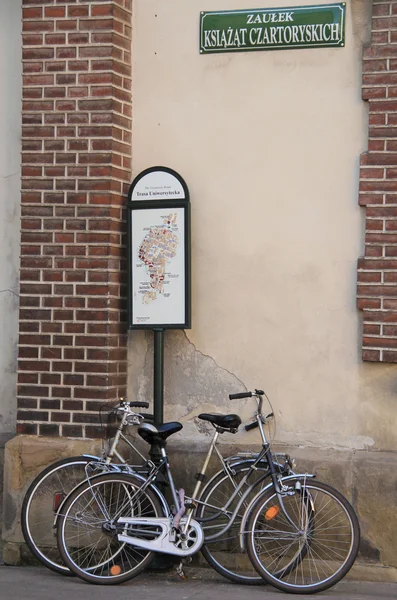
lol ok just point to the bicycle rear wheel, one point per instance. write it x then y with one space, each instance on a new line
311 545
224 554
42 497
87 529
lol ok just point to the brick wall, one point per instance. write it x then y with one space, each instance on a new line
377 271
76 155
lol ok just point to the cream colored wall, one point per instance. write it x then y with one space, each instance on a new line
269 144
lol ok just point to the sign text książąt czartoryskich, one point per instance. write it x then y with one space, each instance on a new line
273 28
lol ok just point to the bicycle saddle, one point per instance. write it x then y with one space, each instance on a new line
224 421
157 435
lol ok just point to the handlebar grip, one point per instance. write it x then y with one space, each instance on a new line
251 426
241 395
139 404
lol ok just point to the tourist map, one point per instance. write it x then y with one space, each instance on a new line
158 266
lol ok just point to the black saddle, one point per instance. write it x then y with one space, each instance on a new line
157 435
228 422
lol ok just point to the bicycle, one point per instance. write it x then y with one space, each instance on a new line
51 486
49 489
110 525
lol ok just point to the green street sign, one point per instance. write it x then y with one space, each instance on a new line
273 28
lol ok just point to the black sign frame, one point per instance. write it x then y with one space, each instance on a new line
181 201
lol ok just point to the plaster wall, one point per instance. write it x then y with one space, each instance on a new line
10 126
269 144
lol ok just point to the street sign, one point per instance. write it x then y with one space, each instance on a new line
159 251
273 28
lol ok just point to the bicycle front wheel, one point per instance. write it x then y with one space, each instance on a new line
40 504
306 543
87 529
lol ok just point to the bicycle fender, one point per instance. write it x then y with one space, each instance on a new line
160 496
270 485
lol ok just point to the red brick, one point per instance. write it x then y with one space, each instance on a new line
96 24
67 52
37 26
32 40
78 11
95 52
55 39
32 67
78 38
37 54
66 25
389 356
379 342
54 92
27 429
78 65
32 13
72 431
54 12
371 355
102 10
380 317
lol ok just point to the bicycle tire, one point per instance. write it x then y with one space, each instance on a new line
37 514
224 555
87 537
324 533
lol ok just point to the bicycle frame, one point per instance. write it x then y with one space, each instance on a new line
167 525
119 435
176 529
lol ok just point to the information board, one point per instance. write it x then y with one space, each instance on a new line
159 251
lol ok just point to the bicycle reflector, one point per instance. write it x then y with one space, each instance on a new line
115 570
272 512
59 497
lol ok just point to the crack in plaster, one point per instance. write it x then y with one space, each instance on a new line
10 291
214 361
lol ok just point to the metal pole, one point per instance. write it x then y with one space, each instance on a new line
158 383
161 562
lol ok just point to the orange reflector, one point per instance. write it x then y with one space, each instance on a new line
272 512
59 497
115 570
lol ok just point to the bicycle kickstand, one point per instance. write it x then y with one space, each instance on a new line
180 571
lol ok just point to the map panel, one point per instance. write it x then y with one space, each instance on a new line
158 266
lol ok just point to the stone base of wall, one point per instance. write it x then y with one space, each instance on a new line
367 479
25 456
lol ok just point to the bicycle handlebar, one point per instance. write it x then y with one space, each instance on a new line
135 404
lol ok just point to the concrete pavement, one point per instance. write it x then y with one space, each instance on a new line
36 583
